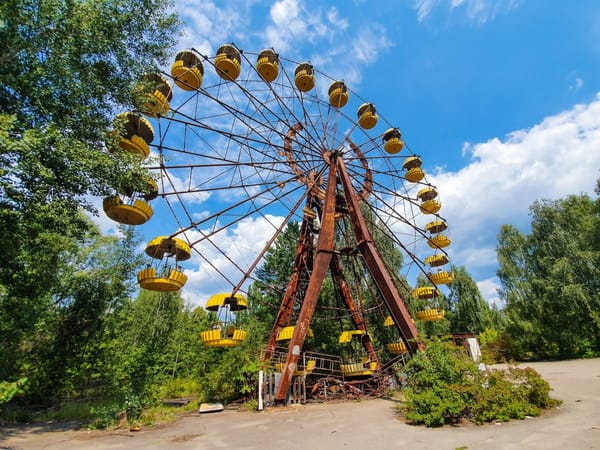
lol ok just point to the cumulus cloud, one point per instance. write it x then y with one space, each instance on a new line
503 177
207 26
215 271
298 29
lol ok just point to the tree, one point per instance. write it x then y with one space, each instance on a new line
550 279
470 311
67 67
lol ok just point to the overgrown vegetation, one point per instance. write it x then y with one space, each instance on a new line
78 342
445 386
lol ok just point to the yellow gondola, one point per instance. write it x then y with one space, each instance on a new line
412 166
304 77
338 94
414 175
228 62
356 369
439 241
437 226
216 338
153 94
360 369
346 336
137 213
286 333
442 277
235 302
430 207
187 70
397 348
436 260
428 193
171 281
392 141
267 65
425 292
431 315
135 132
225 334
170 278
367 116
162 246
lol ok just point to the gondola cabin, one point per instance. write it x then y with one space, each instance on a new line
118 209
228 62
439 241
338 94
431 315
367 116
425 292
442 277
437 226
187 70
224 333
267 65
136 133
304 77
153 94
357 365
168 278
399 346
392 141
412 166
437 260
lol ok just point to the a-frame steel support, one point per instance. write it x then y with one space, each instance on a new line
323 260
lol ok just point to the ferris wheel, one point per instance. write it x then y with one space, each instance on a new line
253 141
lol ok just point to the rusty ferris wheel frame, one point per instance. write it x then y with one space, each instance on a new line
255 144
326 258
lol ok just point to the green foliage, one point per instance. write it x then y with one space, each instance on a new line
495 346
469 310
9 389
231 376
444 386
550 280
105 416
66 68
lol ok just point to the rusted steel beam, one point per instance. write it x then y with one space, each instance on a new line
357 320
302 261
384 282
322 259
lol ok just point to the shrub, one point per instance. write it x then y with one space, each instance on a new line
445 386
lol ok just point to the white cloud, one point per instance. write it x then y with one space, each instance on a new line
479 11
424 8
551 160
240 243
489 290
284 12
334 18
207 26
371 41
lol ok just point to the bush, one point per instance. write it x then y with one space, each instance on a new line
445 386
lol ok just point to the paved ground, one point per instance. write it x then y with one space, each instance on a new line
369 424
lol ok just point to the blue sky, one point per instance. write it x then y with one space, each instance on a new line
501 99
